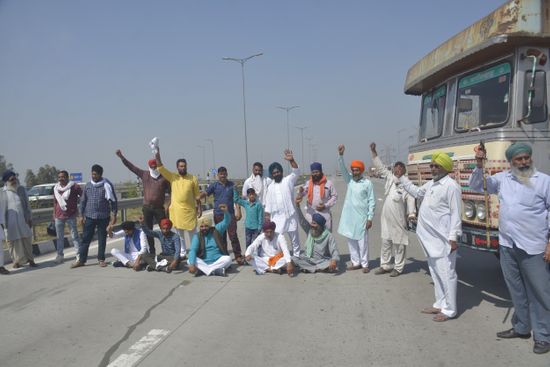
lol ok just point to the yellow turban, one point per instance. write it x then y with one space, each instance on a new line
205 221
443 160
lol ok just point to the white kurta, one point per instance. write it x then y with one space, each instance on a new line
279 203
14 219
397 206
259 184
439 218
263 249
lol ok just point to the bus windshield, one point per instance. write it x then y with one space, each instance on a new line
484 98
433 111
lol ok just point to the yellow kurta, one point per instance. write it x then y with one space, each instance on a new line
183 205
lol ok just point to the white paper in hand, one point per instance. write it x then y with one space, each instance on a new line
154 145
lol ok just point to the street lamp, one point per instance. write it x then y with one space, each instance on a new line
287 109
302 128
242 62
309 148
213 153
203 160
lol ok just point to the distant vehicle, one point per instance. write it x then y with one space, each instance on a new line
41 196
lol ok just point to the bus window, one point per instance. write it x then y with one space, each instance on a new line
433 111
484 98
539 109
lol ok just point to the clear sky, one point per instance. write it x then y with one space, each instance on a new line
81 78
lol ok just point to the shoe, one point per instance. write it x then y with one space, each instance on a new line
394 273
150 268
16 265
353 267
76 264
102 263
32 264
59 259
219 272
366 270
511 333
168 269
118 264
4 271
239 260
541 347
381 271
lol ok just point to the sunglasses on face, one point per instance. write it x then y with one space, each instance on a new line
435 166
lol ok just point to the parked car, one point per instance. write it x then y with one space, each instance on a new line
41 196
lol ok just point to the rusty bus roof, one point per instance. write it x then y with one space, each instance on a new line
514 23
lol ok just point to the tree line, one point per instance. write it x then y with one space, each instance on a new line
45 174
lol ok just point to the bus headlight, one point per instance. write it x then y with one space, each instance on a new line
469 209
481 210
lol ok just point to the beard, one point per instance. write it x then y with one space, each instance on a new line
523 174
182 172
438 176
316 232
12 186
278 179
316 178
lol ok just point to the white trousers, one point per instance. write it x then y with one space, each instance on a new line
445 280
123 257
181 233
295 242
207 269
359 251
389 249
261 264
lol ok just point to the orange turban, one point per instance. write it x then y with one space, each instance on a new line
358 164
165 223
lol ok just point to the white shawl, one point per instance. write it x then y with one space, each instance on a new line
62 194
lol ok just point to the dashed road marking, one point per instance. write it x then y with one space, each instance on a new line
140 349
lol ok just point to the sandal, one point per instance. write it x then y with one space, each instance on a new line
441 317
102 263
431 310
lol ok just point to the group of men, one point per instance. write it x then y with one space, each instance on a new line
273 210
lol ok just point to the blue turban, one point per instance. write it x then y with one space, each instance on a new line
273 166
517 148
316 166
6 176
319 219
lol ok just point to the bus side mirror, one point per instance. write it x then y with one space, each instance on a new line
464 105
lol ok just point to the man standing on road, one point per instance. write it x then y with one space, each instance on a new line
439 226
258 182
155 187
321 252
223 190
269 252
99 206
18 221
397 206
3 204
357 213
320 193
207 253
279 201
65 210
524 197
185 203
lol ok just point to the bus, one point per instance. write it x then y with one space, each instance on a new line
486 84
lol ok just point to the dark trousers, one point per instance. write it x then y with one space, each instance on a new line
251 235
90 226
232 232
150 214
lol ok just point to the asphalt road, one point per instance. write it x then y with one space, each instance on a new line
92 316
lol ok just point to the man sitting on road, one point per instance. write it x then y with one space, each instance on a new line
269 252
170 245
320 253
208 255
135 246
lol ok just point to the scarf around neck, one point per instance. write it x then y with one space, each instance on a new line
109 194
310 241
322 183
62 194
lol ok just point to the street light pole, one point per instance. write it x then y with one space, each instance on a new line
203 160
213 153
242 62
287 109
309 148
302 128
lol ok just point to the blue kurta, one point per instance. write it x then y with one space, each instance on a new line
211 250
358 206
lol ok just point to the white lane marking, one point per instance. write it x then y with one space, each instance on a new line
485 292
140 349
